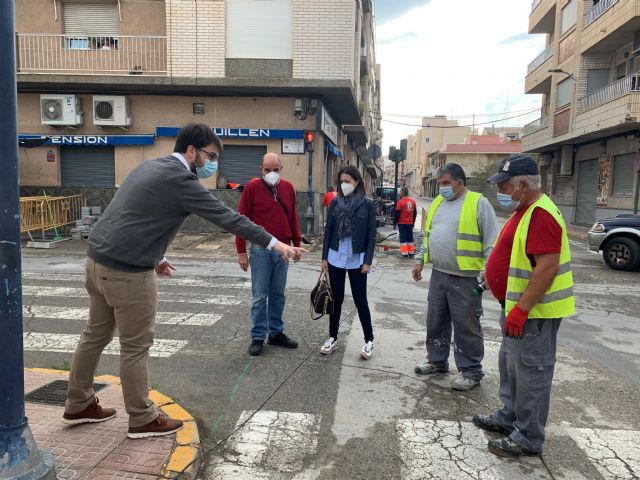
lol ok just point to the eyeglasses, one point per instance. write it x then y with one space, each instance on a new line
212 156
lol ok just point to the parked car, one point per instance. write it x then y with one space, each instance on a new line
619 240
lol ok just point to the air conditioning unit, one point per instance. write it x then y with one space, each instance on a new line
566 160
60 110
111 110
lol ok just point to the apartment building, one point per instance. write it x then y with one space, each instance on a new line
110 82
588 132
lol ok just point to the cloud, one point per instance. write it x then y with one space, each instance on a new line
437 58
386 10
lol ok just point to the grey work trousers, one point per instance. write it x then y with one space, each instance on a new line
452 305
526 372
126 301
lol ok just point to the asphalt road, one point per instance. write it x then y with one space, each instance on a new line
294 414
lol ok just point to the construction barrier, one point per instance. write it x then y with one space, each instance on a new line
48 213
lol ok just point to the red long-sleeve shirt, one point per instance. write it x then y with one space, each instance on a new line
259 204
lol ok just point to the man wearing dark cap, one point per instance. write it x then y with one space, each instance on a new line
529 272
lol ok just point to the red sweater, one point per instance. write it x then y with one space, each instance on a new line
259 204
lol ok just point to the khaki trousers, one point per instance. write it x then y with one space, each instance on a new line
126 301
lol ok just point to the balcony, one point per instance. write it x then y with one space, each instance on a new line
540 59
538 124
542 17
597 11
91 55
619 88
538 79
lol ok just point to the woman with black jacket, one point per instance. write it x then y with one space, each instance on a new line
349 242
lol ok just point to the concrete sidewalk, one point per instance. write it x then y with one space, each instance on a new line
102 450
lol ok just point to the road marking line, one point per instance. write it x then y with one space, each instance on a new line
65 343
614 453
271 444
446 450
162 318
42 291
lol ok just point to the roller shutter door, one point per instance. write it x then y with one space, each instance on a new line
623 175
587 192
91 19
88 166
239 164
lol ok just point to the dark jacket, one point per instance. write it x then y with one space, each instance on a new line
363 230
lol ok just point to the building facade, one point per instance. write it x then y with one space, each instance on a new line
111 82
588 132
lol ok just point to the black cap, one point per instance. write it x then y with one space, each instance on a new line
514 165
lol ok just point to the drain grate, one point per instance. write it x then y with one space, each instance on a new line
55 393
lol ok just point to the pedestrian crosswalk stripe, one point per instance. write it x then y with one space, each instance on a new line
65 343
614 453
270 445
173 281
66 292
446 450
162 318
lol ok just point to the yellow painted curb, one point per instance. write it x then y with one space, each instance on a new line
181 457
159 399
109 379
188 434
176 412
48 370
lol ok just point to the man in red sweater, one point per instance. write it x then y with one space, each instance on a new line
270 202
326 202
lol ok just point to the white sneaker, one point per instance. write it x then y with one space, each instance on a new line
329 346
367 350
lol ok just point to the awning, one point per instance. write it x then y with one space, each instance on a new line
335 151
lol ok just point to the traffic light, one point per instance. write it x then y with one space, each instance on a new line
308 141
392 153
403 150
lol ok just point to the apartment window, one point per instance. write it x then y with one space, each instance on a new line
596 79
91 26
623 175
428 125
260 29
569 16
621 71
426 140
564 93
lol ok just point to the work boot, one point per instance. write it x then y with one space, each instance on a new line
161 425
426 368
487 423
505 447
464 384
94 413
256 347
281 340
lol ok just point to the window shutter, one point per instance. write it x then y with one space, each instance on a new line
260 29
623 174
91 19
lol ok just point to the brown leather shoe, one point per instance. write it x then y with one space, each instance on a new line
162 425
94 413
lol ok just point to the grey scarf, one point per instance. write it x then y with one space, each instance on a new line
346 213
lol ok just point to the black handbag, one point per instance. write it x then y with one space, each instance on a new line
321 297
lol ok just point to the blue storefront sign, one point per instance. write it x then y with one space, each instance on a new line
335 151
93 140
258 133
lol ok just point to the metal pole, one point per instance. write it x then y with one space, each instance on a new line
310 213
19 455
395 187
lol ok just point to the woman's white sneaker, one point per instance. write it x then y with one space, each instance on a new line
367 350
329 346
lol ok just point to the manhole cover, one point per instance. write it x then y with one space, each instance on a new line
55 393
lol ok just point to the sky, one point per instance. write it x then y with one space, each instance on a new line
454 58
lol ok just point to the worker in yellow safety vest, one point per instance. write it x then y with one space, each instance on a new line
459 233
529 272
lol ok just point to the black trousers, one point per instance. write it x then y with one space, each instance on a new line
358 281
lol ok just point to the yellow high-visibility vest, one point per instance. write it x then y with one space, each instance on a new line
558 301
470 254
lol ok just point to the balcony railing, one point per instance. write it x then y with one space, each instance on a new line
540 59
624 86
537 124
597 10
91 55
534 4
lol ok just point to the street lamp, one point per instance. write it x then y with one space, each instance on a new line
559 70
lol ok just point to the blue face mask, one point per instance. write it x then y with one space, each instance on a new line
447 192
507 202
207 170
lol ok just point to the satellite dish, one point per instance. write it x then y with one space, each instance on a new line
375 152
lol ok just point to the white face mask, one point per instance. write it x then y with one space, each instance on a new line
347 188
272 178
